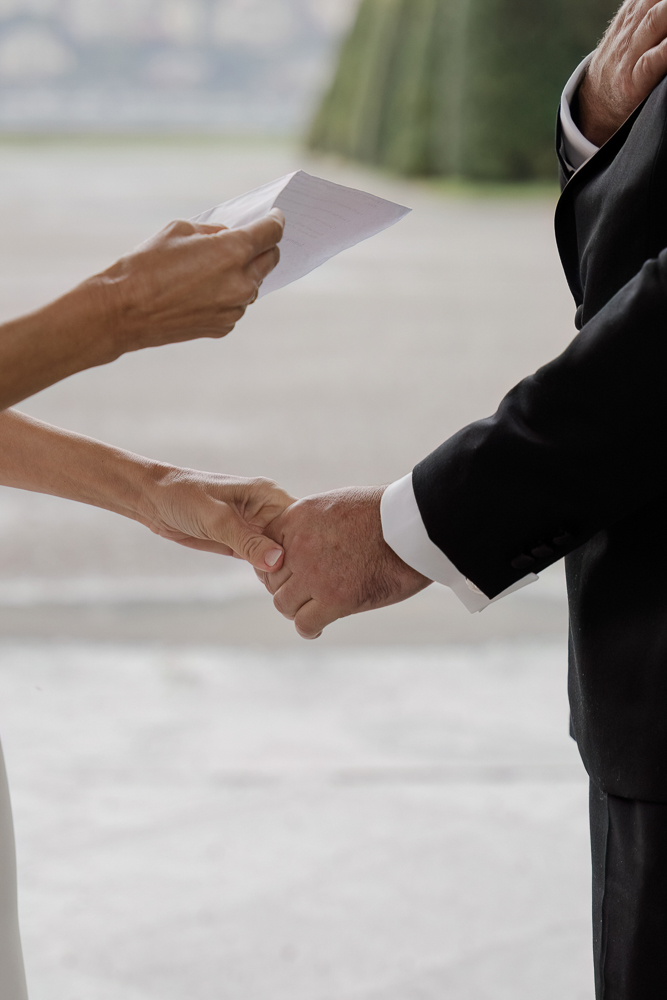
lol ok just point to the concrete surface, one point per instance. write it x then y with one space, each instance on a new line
206 806
374 825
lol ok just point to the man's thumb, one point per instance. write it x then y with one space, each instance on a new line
249 544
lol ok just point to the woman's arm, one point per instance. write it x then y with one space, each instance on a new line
189 281
202 510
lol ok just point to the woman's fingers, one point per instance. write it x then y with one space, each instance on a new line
216 513
262 235
264 239
206 230
261 501
188 281
204 545
211 525
261 266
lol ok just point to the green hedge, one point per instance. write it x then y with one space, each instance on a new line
456 87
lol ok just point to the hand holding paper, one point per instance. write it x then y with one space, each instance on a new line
321 220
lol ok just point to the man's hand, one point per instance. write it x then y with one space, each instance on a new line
188 281
337 562
214 513
629 62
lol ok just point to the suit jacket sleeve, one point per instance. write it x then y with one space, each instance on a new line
573 448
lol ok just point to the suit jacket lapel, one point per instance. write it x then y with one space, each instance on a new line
565 221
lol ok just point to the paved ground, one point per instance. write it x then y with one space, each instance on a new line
205 806
369 825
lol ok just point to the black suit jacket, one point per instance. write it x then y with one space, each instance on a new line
574 463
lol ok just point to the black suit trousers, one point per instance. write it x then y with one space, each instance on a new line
629 849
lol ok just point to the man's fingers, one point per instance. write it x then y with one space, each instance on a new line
291 596
651 67
264 234
644 31
652 27
629 17
277 579
312 618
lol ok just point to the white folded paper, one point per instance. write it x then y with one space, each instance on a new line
321 219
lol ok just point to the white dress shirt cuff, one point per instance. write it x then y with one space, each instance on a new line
405 533
577 148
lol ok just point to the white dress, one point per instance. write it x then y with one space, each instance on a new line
12 974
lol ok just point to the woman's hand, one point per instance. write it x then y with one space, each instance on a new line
188 281
215 513
203 510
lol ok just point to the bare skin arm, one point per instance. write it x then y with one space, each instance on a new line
628 64
201 510
189 281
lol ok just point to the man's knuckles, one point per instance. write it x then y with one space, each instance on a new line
653 21
287 604
274 581
289 615
312 619
308 635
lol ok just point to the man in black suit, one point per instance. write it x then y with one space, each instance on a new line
573 464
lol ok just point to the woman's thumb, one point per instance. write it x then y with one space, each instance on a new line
250 544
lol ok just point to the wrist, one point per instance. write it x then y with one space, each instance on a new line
116 288
86 319
149 481
120 481
103 295
393 561
109 299
596 118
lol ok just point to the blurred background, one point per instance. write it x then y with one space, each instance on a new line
239 65
205 805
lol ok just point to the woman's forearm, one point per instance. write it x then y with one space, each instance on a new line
43 459
67 336
209 511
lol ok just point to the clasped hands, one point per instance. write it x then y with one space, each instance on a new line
336 562
322 558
